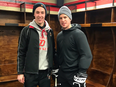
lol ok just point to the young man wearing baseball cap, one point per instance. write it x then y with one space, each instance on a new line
36 50
74 54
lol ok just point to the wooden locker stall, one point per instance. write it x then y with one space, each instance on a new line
99 27
11 24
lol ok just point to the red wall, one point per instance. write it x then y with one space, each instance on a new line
80 6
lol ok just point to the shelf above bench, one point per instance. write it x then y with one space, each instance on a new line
82 25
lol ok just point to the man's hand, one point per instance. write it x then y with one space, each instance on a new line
21 78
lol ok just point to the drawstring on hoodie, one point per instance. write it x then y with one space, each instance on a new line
43 31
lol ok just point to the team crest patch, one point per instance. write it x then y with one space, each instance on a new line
50 34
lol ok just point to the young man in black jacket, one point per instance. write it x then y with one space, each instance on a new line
36 50
74 54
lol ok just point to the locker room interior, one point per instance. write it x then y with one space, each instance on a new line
97 19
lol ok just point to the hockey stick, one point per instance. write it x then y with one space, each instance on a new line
55 79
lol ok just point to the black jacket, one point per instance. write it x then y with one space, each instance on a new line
73 50
28 50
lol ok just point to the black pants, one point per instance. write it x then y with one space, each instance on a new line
65 79
41 79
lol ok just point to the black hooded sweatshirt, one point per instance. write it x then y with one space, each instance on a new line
73 50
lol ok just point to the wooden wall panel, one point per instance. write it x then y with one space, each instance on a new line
8 60
29 17
114 72
8 69
98 77
1 56
103 50
98 16
10 17
102 47
78 17
54 24
9 44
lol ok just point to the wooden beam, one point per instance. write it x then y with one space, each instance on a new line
2 24
22 24
85 25
109 24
